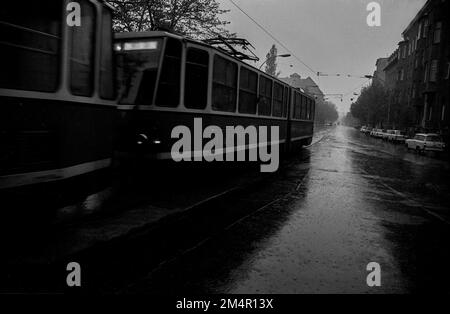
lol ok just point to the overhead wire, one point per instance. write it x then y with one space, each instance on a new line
289 50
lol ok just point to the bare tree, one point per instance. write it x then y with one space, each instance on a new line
194 18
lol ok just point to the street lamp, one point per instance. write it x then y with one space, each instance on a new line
286 55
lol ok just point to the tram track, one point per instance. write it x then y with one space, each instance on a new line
148 247
320 140
419 204
237 221
223 211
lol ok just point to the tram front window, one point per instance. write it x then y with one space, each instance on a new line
137 70
30 39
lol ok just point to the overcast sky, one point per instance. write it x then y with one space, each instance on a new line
331 36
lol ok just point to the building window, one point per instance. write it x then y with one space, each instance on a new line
419 33
265 96
433 70
278 100
437 33
447 76
248 91
443 113
224 85
196 79
30 45
402 74
168 94
425 29
107 79
82 52
430 113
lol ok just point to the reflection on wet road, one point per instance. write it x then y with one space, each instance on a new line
357 200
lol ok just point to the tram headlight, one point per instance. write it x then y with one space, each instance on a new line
141 139
118 47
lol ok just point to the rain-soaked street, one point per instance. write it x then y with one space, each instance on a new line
223 154
352 200
312 227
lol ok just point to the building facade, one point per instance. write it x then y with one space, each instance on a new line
308 85
379 75
417 73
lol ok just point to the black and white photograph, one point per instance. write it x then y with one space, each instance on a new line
219 155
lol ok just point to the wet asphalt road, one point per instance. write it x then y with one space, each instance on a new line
312 227
348 201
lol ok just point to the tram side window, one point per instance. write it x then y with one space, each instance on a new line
265 96
248 91
196 80
305 109
278 100
297 106
308 115
82 52
168 94
224 85
313 110
286 99
107 80
304 105
30 45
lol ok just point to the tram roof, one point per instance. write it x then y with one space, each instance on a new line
153 34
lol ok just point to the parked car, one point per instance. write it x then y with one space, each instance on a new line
373 131
377 133
365 129
426 142
385 134
381 133
396 136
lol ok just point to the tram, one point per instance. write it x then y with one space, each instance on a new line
57 92
166 80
